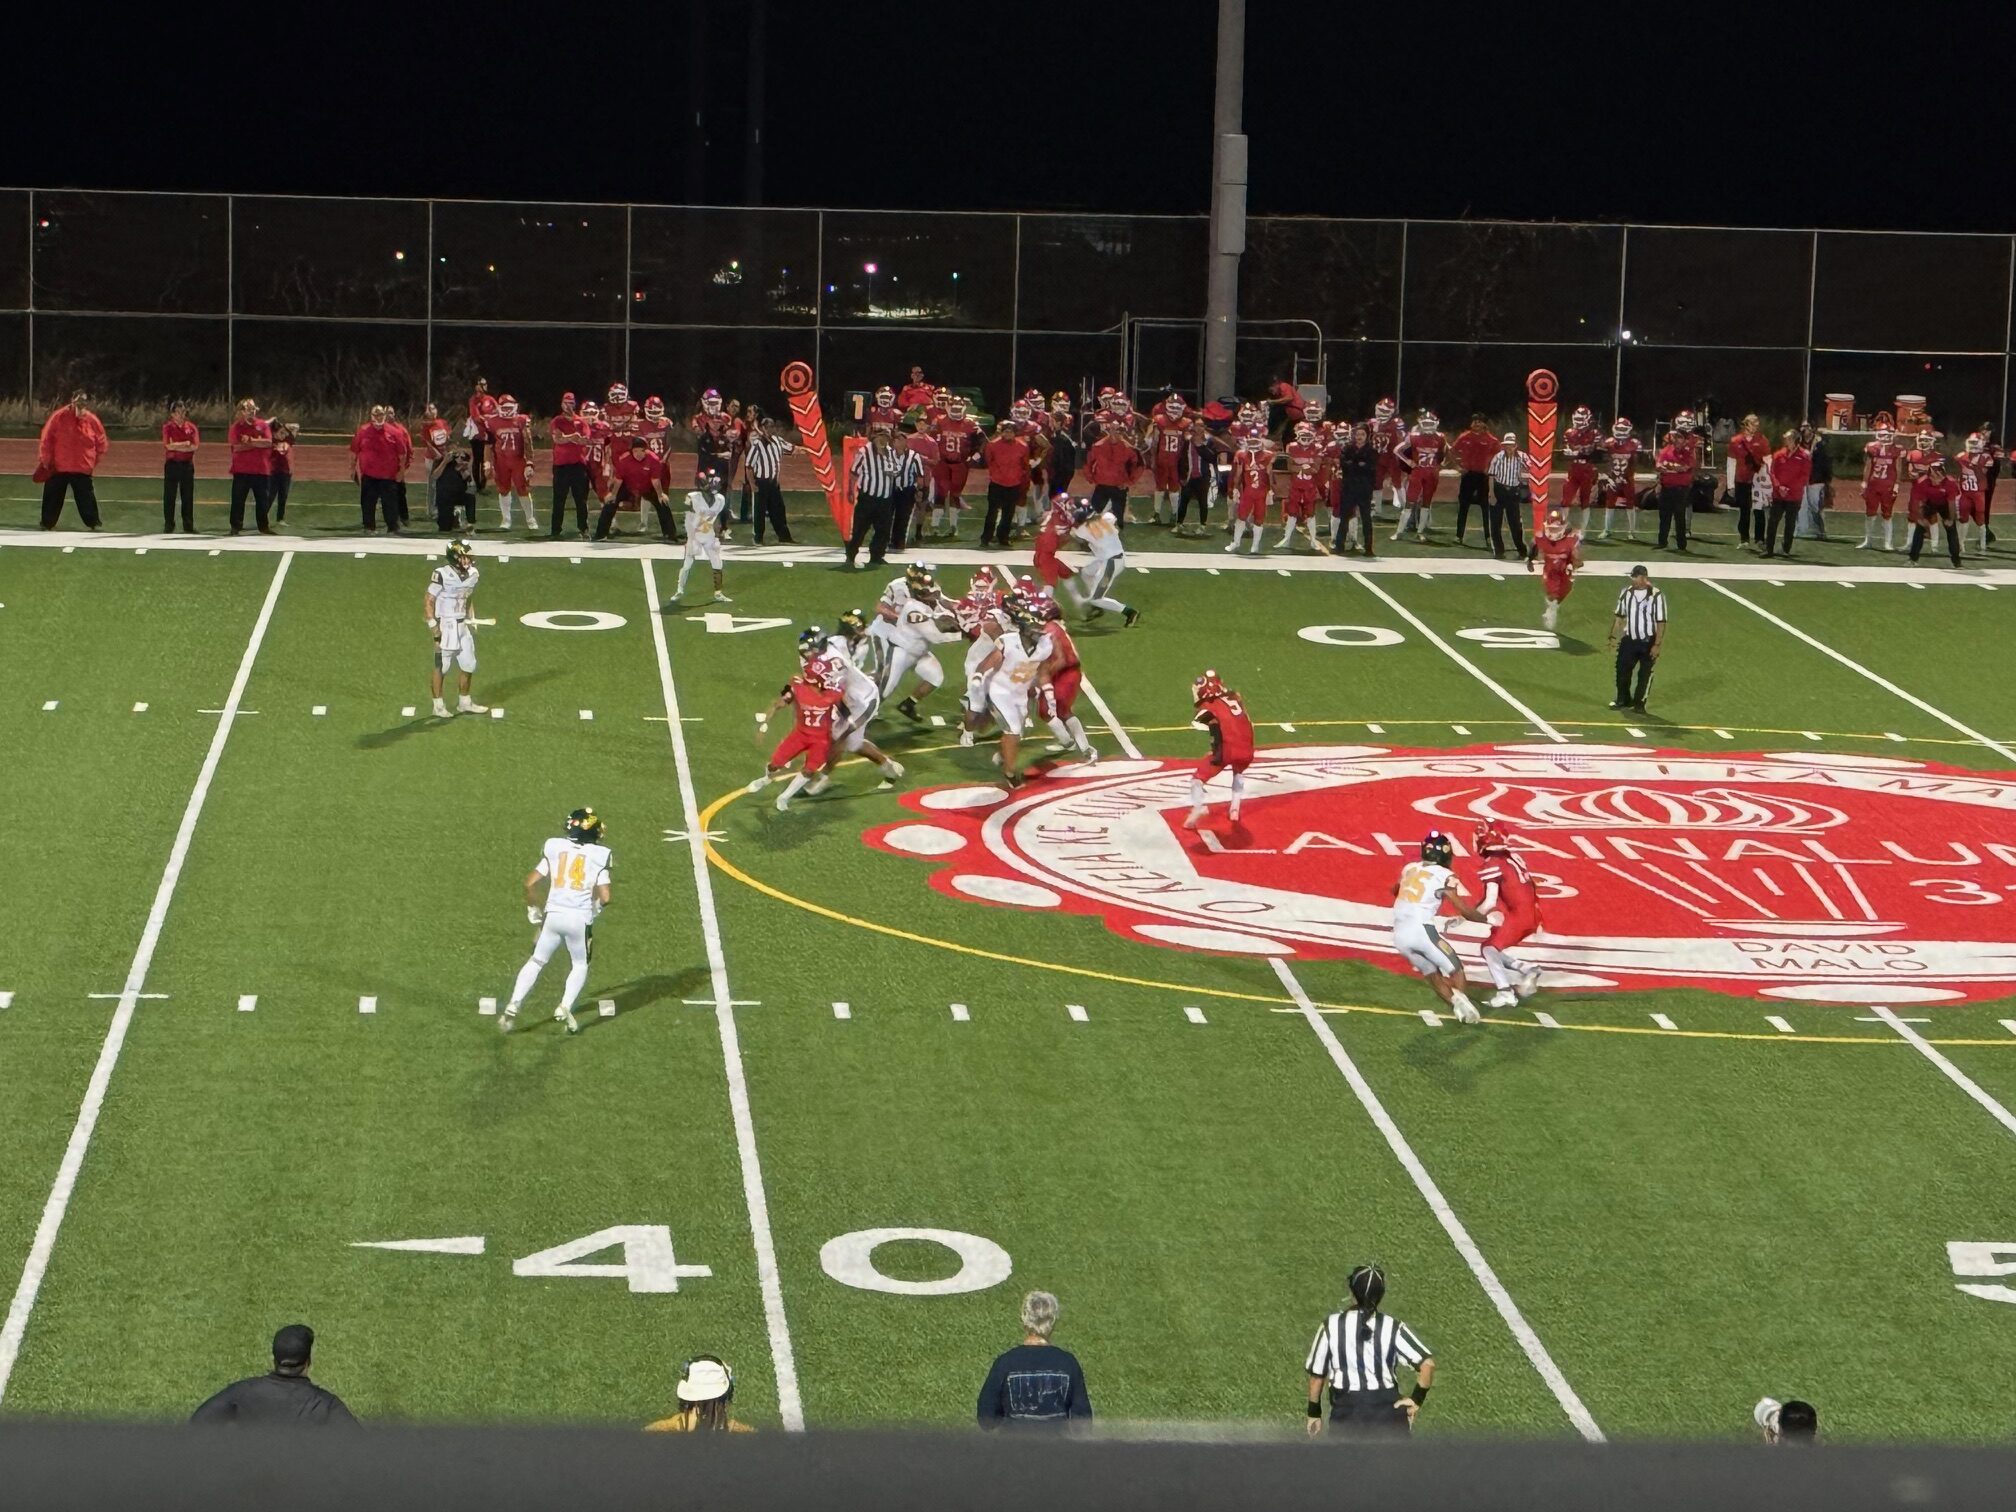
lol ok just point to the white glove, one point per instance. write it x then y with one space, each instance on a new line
534 914
763 723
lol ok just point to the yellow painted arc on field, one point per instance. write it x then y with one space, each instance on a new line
1277 1004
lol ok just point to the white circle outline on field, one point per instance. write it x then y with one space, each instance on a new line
850 1260
1373 636
549 619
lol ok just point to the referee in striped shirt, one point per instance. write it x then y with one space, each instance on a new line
1637 633
761 462
880 469
1354 1354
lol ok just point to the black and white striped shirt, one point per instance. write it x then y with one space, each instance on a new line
878 473
1355 1351
1642 613
1508 468
763 456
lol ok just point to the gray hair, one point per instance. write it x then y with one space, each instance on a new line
1039 1313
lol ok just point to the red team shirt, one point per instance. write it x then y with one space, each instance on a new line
1973 477
1582 443
1424 451
1305 464
1056 529
1620 454
1557 564
1231 735
1252 472
812 703
182 430
1516 898
1058 698
510 436
566 433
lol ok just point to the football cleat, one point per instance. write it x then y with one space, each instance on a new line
508 1019
1466 1011
1194 818
818 784
566 1016
1505 999
441 709
1437 849
585 826
1529 982
908 708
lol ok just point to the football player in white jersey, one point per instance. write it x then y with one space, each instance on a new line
706 514
878 650
575 869
1418 896
982 615
451 593
924 621
861 700
1101 534
1011 674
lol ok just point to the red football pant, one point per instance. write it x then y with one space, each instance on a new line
1511 929
1581 485
1168 479
1059 699
1388 471
508 470
1208 768
1302 495
1971 512
951 479
1421 486
1881 502
1557 585
1252 506
815 745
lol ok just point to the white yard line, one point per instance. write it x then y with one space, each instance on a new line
1487 1278
1861 671
789 1406
1952 1072
1120 736
1458 657
44 1244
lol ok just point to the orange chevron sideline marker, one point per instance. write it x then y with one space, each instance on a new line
803 397
1542 403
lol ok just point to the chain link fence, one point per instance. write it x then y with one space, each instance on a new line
320 307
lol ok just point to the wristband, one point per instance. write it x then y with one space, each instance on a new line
1315 1409
1420 1395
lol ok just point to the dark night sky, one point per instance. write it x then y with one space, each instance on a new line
1673 114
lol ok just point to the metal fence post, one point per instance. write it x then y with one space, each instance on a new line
2008 315
1812 285
31 300
1400 329
230 298
629 286
427 376
819 300
1015 320
1617 336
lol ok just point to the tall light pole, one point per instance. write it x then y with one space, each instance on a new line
1228 204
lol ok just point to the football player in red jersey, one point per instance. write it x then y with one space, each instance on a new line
1057 692
1918 469
1935 510
510 435
482 407
1253 484
1169 430
1052 533
714 436
596 442
1559 552
814 697
1973 464
1387 430
1508 888
1223 714
1581 441
620 413
1882 459
1620 482
883 411
1305 487
1421 455
959 441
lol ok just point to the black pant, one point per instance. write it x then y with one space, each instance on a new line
260 487
1506 506
620 497
1111 496
1634 657
748 496
1354 498
1367 1412
81 487
371 492
1001 501
1471 488
476 445
1196 489
570 481
1673 510
1785 511
871 514
178 480
1744 493
1952 536
399 498
902 504
769 509
282 484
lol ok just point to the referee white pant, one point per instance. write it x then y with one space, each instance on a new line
567 926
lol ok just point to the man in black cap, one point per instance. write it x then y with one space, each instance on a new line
286 1397
1637 635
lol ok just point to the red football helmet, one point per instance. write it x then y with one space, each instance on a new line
1885 435
885 397
982 587
710 402
591 410
1583 418
618 393
1554 526
1173 406
1249 413
1033 397
1976 442
1620 427
1430 422
1117 402
1928 439
654 407
1385 409
1019 412
1060 401
506 405
1304 431
1207 687
941 397
1489 839
567 400
955 407
1684 422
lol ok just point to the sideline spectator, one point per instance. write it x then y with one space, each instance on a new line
1353 1354
1111 463
282 464
567 432
1675 463
1196 466
1791 465
1995 457
73 440
741 428
706 1391
761 464
251 468
1035 1385
640 480
916 394
1288 405
1007 458
1748 451
375 456
1357 477
454 497
179 439
1819 497
1510 496
1474 449
1935 510
405 439
923 445
1793 1422
435 435
283 1398
482 410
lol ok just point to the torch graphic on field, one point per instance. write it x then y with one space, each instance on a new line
800 393
1542 387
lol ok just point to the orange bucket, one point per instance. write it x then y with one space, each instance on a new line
1911 412
1840 411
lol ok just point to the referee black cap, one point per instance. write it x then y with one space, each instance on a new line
1368 1286
1641 570
1798 1420
293 1345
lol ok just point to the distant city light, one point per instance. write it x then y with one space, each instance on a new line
493 269
955 275
1625 334
45 223
829 288
867 267
398 257
734 262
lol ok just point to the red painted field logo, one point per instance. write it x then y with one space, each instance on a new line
1786 874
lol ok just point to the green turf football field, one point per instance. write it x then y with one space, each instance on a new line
261 898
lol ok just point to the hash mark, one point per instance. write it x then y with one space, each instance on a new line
605 1007
1779 1024
7 1001
1376 729
1429 1017
139 708
1546 1020
367 1005
2009 1024
1211 571
587 713
575 560
1460 729
1664 1022
139 551
961 1014
1077 1012
359 555
938 721
247 1001
49 707
1776 582
1287 729
1810 734
319 710
503 559
1194 1014
841 1011
1892 735
407 712
1724 735
496 713
1284 571
487 1007
1634 732
215 552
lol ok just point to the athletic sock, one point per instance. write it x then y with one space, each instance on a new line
1196 792
1495 963
1238 792
577 978
528 975
1077 732
793 788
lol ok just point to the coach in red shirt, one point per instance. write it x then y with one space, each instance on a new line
916 394
1675 461
568 433
1474 450
482 410
1791 467
1007 458
377 454
179 440
73 439
1111 464
251 467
